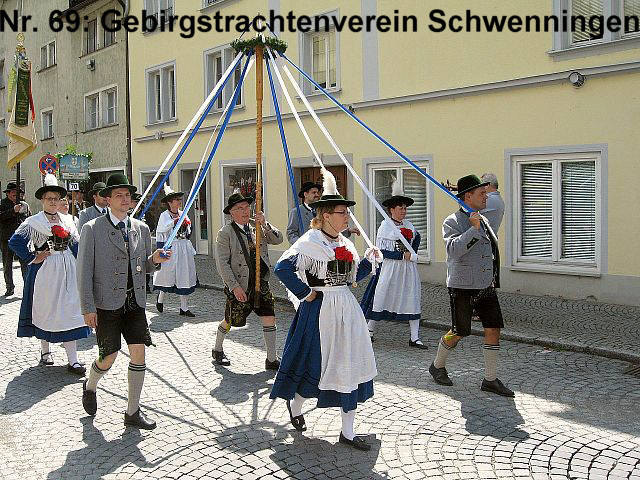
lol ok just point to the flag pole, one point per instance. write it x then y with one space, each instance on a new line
259 50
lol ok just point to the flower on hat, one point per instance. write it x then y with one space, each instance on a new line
407 233
60 232
342 253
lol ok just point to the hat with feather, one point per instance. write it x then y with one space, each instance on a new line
50 185
169 194
397 196
330 196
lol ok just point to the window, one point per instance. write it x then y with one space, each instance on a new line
415 186
91 111
556 211
3 133
48 55
161 94
47 124
101 108
320 56
591 22
109 38
216 62
2 80
160 9
92 36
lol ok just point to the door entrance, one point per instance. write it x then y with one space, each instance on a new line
198 212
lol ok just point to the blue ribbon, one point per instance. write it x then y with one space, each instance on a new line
285 148
387 144
203 174
184 147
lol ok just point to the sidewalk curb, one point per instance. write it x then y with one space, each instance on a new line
512 337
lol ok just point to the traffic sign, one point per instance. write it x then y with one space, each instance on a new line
48 164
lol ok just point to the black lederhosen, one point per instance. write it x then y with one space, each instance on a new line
465 301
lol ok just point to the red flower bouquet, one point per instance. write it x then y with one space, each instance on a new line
342 253
407 233
60 232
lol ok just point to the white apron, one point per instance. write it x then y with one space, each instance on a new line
398 288
180 269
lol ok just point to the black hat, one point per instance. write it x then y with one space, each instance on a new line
468 183
169 194
331 196
117 180
12 186
306 186
235 199
397 196
95 190
136 197
50 185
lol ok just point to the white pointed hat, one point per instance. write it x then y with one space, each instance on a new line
330 194
397 196
50 185
169 194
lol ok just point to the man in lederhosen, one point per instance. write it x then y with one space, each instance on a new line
96 210
473 274
236 263
112 293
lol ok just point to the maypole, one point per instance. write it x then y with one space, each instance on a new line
259 50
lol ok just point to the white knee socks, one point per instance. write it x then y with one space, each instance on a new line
72 352
347 423
414 325
161 297
183 303
296 405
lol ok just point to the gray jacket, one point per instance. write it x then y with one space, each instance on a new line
470 256
230 260
294 232
102 264
494 211
87 214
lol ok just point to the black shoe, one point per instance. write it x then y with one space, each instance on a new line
139 420
357 443
187 313
77 369
89 401
159 307
298 422
275 365
496 387
440 375
10 291
371 336
219 358
44 360
417 344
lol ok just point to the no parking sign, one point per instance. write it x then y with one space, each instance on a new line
48 164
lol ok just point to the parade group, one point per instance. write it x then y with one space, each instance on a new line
90 273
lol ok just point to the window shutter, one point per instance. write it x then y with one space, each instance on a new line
632 8
415 186
579 211
536 182
586 9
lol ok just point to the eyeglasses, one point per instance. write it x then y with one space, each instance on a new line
50 199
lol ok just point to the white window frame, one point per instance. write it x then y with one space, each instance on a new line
2 81
3 133
156 97
106 34
227 55
46 135
425 164
243 164
48 53
563 41
556 264
101 109
155 6
87 33
305 40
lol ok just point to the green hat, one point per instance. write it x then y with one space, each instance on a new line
117 180
95 190
468 183
235 199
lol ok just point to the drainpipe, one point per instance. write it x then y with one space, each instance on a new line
125 12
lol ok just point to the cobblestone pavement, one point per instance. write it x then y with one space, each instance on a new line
590 327
574 416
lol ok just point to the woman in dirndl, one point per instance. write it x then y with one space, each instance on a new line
50 309
178 274
393 293
327 354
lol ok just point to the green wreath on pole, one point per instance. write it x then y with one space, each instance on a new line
245 46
